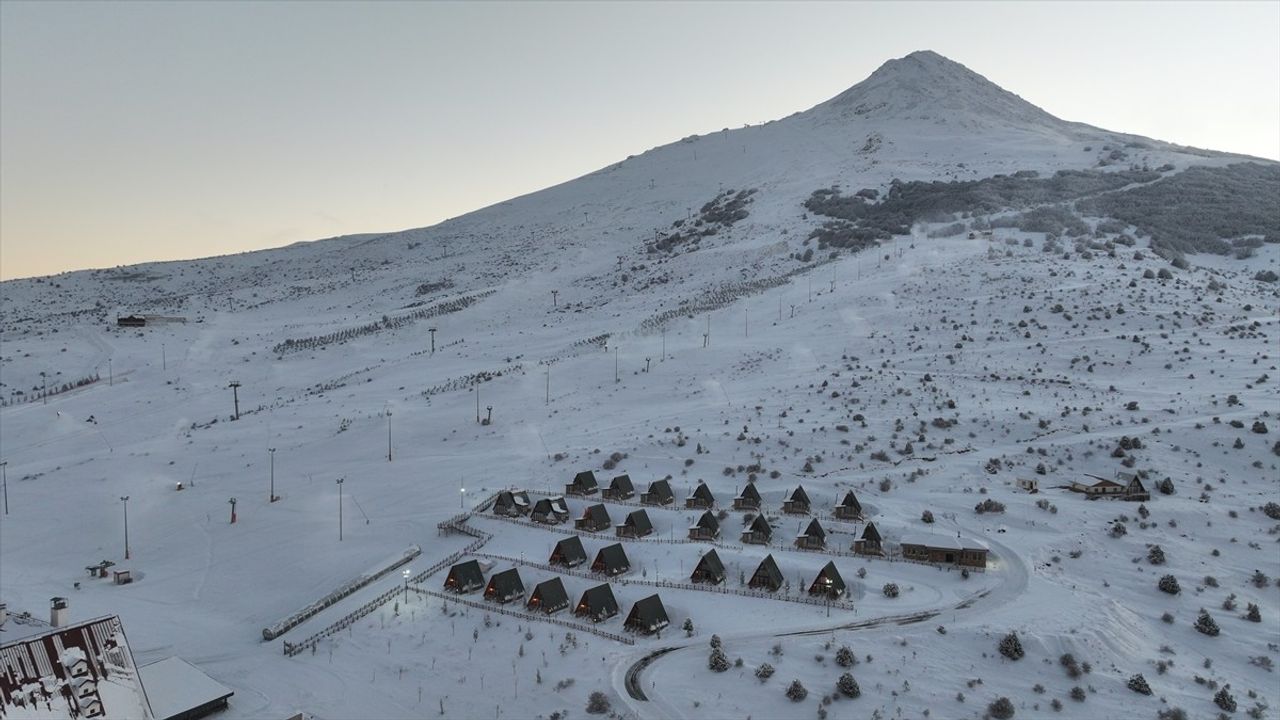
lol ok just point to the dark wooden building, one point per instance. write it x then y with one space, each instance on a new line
944 550
870 543
813 537
131 321
647 616
1134 490
620 488
594 519
584 483
798 503
748 499
505 586
512 503
464 577
710 569
767 576
707 527
758 532
700 499
548 597
597 604
636 525
611 560
849 508
551 511
828 582
568 552
659 493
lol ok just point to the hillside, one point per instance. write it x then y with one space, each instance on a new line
921 291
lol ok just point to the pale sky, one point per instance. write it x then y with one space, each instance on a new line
153 131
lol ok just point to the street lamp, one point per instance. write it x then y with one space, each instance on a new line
4 478
406 586
340 481
388 434
271 495
462 497
125 499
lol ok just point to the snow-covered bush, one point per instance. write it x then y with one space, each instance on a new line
1169 584
890 590
764 672
597 703
845 658
1001 708
848 686
718 662
1138 684
1223 699
796 691
1206 624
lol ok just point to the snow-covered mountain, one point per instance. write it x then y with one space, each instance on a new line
923 291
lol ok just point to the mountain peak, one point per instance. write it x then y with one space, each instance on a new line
927 86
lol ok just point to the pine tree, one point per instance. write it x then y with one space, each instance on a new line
796 691
718 662
1001 708
1011 647
1138 684
844 657
1225 700
764 672
1254 615
848 686
1169 584
1205 624
1155 555
687 627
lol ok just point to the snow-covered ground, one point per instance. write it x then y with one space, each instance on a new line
927 374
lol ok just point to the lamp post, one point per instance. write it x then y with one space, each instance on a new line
340 481
462 497
125 499
4 478
433 340
271 495
232 502
111 374
406 586
388 434
44 384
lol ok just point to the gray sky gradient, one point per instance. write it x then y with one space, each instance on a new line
149 131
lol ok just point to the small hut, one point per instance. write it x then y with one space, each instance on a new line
584 483
767 576
647 616
700 499
549 597
464 577
1134 490
659 493
709 570
550 511
611 560
707 527
512 503
870 543
828 582
636 525
594 519
813 537
620 488
758 532
798 503
748 499
597 604
568 552
849 508
504 586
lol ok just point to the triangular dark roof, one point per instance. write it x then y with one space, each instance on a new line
586 479
799 495
870 533
761 525
708 520
638 519
571 550
749 492
612 558
768 570
660 488
622 483
466 574
851 501
550 593
647 612
597 513
506 582
702 492
815 529
830 572
710 563
600 599
549 506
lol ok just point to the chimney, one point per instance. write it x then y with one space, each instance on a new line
58 611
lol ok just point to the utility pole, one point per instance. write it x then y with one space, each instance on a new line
706 336
664 346
548 384
779 308
232 501
477 403
810 288
555 302
164 361
235 396
433 340
615 365
406 586
646 364
4 478
44 381
272 492
744 323
340 480
488 419
833 277
125 499
111 375
388 434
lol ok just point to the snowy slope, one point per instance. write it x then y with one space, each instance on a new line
923 373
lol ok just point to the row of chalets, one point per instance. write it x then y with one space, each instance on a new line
660 494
